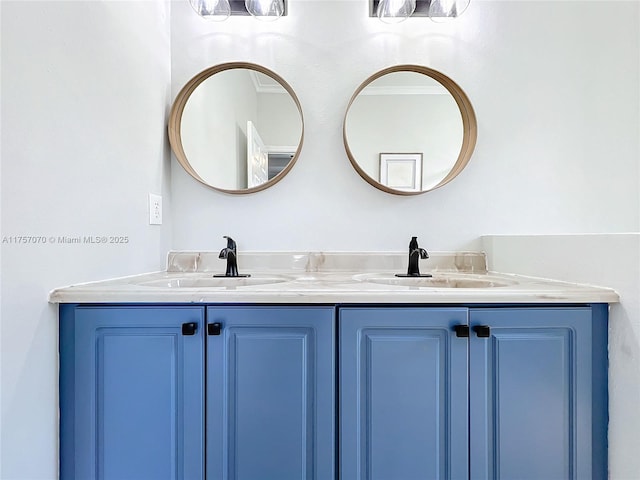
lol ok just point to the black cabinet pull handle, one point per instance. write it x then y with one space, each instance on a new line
461 330
189 328
482 331
214 328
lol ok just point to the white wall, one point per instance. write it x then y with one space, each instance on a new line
85 96
554 85
279 120
611 260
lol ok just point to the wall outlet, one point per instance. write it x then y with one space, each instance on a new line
155 209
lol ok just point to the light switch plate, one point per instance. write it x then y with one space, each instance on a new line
155 209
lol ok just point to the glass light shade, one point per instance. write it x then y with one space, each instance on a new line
395 11
265 9
443 10
213 10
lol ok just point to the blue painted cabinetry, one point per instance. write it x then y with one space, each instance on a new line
241 392
131 393
403 394
158 392
522 397
271 393
538 394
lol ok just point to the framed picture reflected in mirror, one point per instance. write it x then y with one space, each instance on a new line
401 171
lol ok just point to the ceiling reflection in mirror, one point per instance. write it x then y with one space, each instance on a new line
409 129
236 127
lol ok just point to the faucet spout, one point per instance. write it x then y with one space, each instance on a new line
232 263
231 243
419 252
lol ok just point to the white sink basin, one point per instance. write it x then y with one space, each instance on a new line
437 281
214 282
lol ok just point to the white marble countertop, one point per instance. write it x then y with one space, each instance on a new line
330 278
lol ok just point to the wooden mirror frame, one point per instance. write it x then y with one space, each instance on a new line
469 125
177 109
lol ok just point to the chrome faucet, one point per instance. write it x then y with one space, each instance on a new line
230 252
415 254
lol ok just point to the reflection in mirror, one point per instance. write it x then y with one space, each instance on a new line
236 128
409 129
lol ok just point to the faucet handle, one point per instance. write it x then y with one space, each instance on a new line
230 243
413 247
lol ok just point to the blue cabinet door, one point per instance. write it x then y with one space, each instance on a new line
536 409
131 393
271 393
403 394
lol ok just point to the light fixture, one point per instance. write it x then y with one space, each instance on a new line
394 11
440 10
214 10
219 10
265 9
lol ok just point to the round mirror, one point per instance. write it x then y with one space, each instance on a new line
409 129
236 127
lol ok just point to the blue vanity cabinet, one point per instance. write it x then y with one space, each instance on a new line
131 392
524 396
271 393
248 392
152 392
538 393
403 394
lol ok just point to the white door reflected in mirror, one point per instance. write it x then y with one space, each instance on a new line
257 158
264 162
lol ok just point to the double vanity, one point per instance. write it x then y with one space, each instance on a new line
328 365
